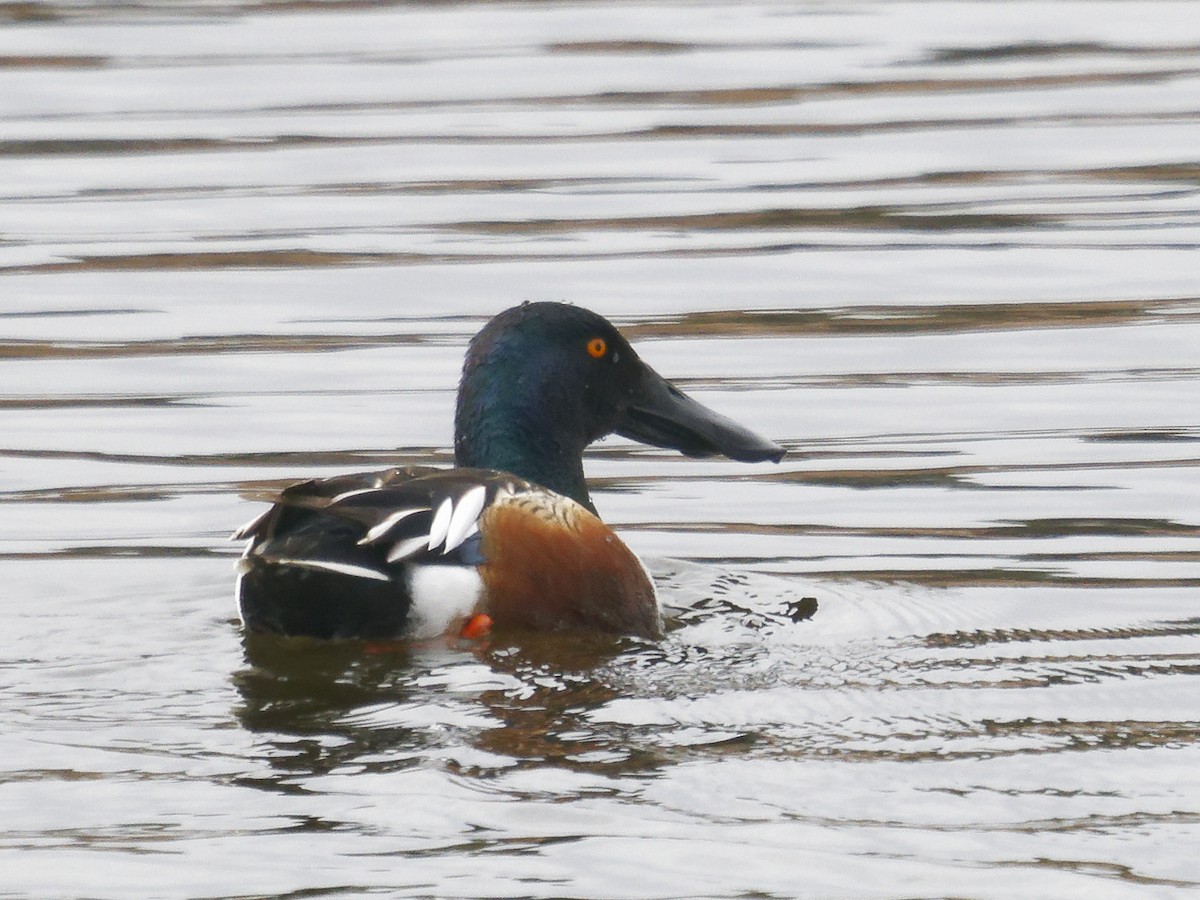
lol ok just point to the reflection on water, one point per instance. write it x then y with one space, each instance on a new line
527 698
945 254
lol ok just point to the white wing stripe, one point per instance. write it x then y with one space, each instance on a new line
441 523
353 493
322 565
462 522
378 531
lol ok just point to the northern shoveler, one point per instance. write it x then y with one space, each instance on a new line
511 538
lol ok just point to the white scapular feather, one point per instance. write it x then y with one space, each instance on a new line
378 531
406 548
441 523
462 521
246 530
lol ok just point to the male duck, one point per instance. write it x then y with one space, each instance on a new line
510 538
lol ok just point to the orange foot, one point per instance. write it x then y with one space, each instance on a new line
477 627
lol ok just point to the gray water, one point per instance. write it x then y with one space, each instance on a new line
945 252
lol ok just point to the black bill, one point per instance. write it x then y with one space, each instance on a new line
663 416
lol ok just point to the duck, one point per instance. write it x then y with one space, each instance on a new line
510 537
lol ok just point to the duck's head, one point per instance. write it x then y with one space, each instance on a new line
541 381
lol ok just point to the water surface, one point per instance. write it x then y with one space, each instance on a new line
946 253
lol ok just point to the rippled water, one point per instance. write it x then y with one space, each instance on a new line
946 253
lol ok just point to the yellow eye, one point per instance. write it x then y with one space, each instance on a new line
597 347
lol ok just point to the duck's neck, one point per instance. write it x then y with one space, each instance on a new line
529 443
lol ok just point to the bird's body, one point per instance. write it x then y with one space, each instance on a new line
427 550
511 537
